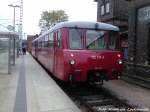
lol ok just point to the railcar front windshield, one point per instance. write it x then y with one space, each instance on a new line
99 39
96 39
75 39
92 39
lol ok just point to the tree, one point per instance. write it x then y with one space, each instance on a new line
50 18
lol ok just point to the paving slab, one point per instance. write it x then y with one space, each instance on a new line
8 88
43 94
133 94
30 89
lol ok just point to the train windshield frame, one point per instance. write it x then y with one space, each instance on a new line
92 39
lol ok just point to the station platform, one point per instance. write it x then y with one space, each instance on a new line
132 94
30 89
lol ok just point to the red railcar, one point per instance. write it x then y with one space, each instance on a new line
30 38
80 51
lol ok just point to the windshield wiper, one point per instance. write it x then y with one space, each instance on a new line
94 40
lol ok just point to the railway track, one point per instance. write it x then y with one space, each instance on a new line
96 99
93 98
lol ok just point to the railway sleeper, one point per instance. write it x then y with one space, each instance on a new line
104 103
100 101
93 97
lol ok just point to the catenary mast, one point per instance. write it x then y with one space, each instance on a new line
21 20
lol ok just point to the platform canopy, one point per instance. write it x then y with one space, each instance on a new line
8 49
5 31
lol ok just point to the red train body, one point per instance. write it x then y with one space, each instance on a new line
30 38
80 51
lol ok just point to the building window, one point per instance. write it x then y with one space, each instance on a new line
102 10
107 7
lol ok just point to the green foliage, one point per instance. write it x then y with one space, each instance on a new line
49 18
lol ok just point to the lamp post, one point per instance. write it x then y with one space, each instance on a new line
14 6
14 42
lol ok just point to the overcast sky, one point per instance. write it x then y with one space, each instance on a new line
84 10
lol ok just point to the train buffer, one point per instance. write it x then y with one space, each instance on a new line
30 89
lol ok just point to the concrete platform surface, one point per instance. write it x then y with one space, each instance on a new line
133 94
30 89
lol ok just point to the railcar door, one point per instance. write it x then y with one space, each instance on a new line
36 48
55 57
58 55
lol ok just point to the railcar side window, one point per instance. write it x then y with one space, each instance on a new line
75 39
59 39
39 43
36 44
46 41
95 39
51 40
33 44
43 41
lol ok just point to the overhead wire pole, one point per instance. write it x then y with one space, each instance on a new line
21 18
20 24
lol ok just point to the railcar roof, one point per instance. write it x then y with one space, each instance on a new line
81 24
89 25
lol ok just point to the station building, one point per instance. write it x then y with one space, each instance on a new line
139 32
115 12
133 19
139 40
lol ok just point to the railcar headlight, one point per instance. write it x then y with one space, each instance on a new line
72 62
120 62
